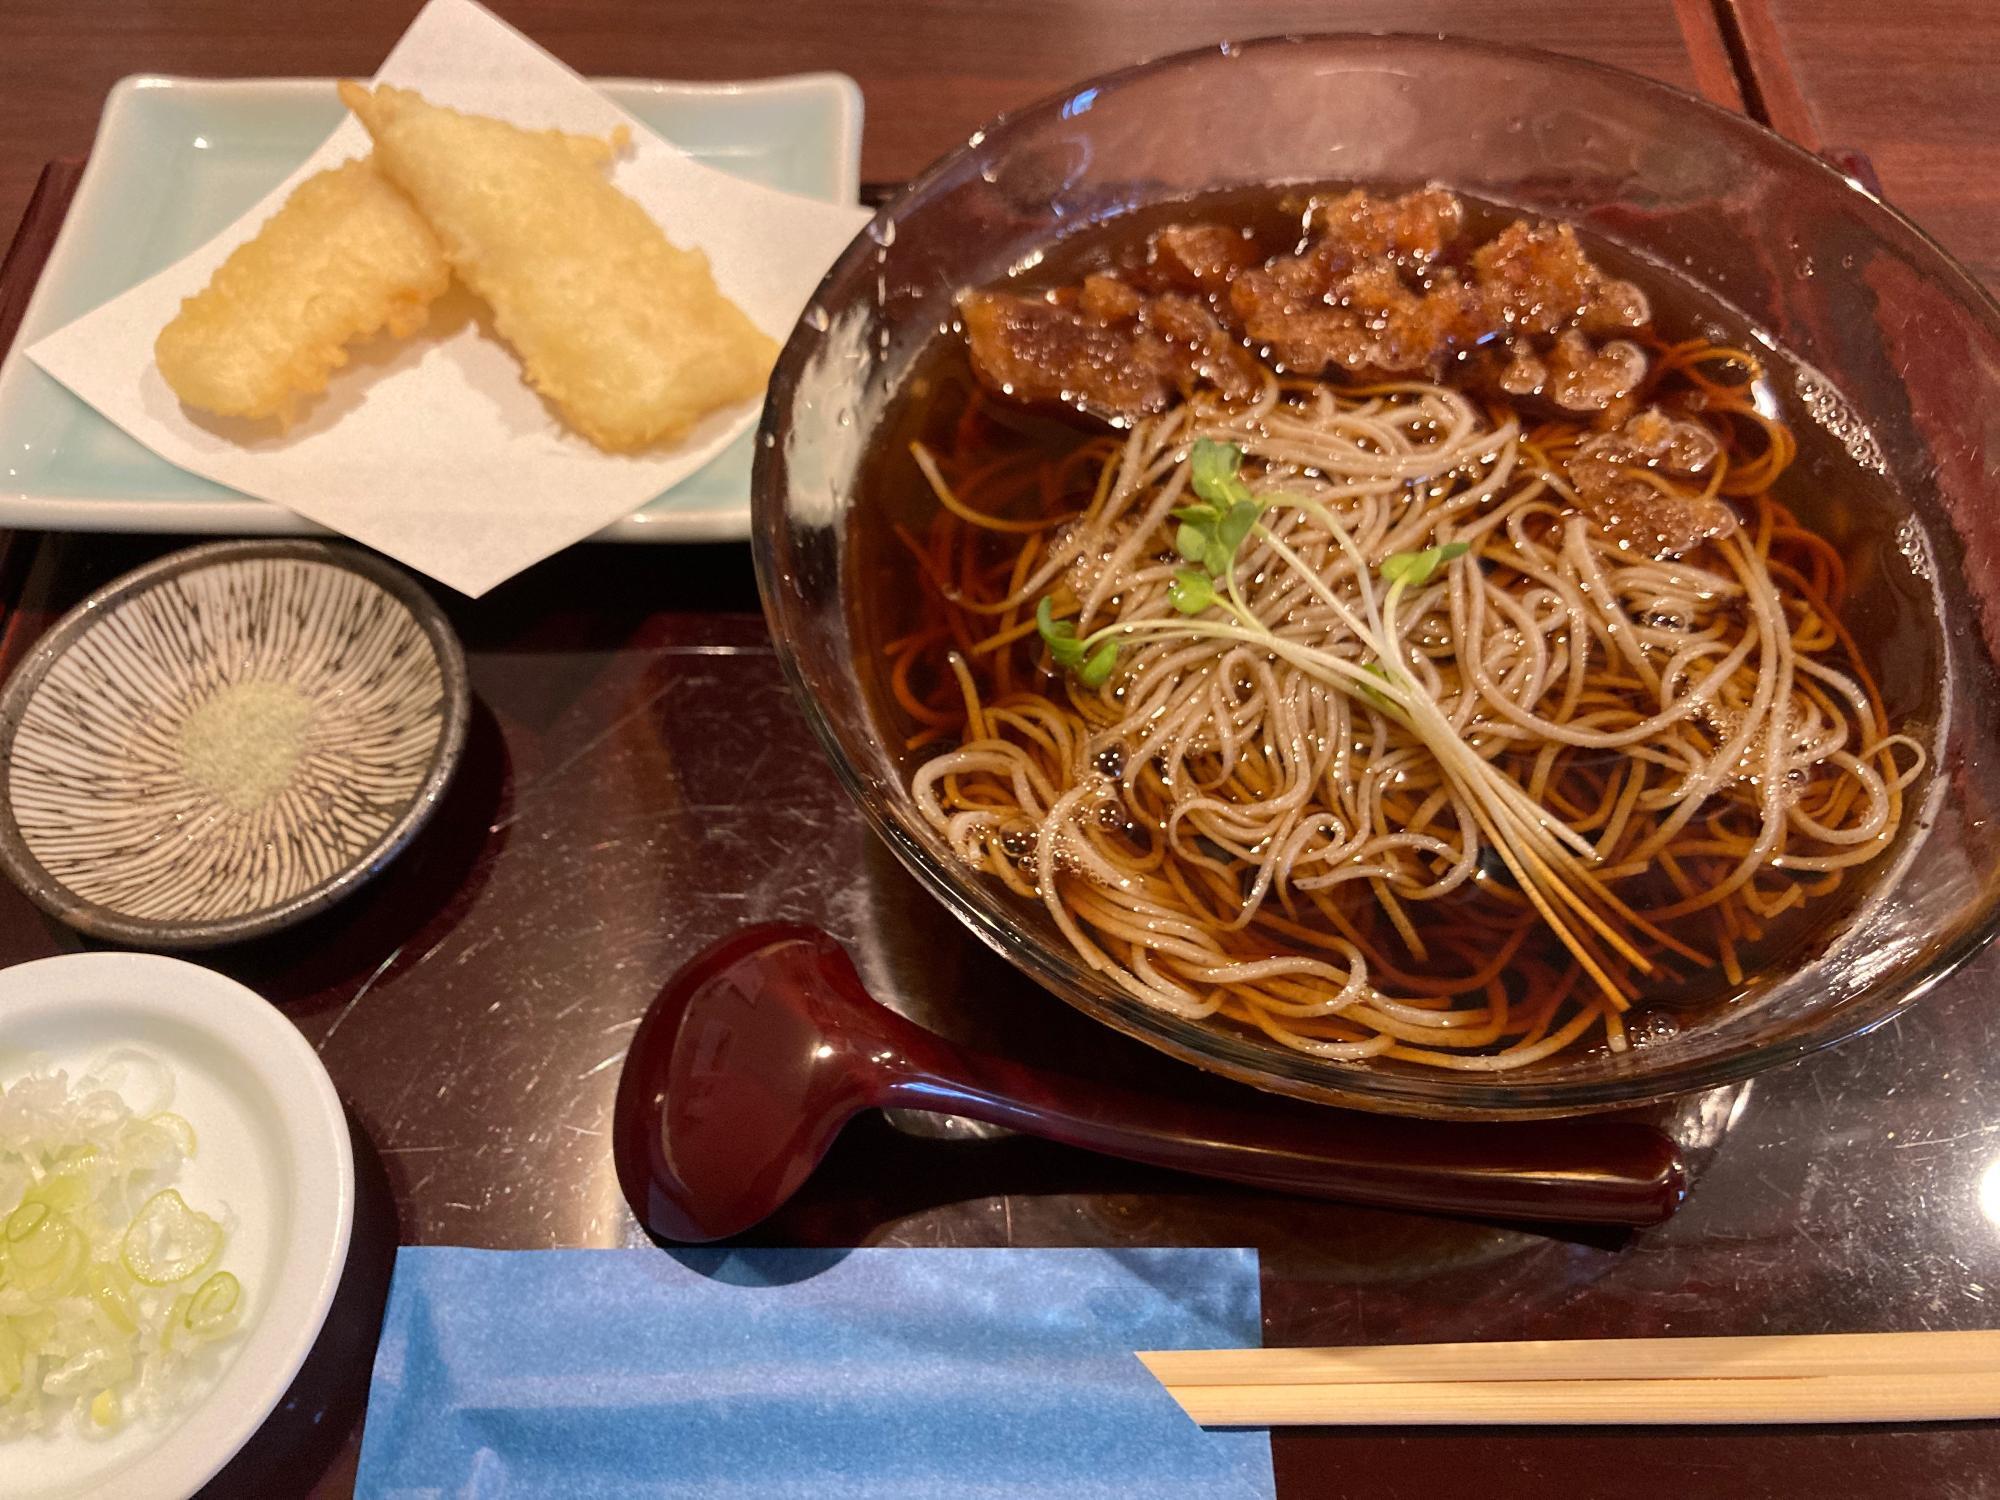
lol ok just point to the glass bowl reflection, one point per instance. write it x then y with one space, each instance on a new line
1901 346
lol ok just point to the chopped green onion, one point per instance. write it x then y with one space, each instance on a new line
179 1129
167 1242
100 1284
175 1330
44 1252
80 1331
25 1220
92 1368
213 1306
62 1192
12 1356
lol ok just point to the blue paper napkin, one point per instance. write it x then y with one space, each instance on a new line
804 1375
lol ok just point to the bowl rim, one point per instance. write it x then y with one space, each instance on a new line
1476 1097
1435 41
97 920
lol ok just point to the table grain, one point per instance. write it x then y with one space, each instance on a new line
930 71
1915 84
638 783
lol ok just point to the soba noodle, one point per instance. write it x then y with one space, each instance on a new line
1428 718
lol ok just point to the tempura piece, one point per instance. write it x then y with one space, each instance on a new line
344 257
623 331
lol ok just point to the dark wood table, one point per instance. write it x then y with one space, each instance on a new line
639 783
1916 85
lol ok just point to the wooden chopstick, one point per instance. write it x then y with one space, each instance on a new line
1586 1359
1810 1398
1852 1377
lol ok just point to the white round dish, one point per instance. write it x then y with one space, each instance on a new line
274 1155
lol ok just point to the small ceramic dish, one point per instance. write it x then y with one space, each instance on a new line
226 741
272 1158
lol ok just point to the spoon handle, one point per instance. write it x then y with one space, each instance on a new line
1599 1172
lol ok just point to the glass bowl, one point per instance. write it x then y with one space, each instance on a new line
1901 367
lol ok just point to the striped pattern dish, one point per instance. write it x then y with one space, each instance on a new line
227 739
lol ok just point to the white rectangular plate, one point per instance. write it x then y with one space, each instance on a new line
178 159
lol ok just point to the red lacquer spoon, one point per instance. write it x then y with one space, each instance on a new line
759 1050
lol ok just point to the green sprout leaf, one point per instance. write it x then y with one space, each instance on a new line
1092 668
1058 635
1216 476
1414 569
1210 533
1235 526
1190 592
1376 669
1093 672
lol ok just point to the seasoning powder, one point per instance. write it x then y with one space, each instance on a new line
242 745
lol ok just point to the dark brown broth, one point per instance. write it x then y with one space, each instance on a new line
1889 608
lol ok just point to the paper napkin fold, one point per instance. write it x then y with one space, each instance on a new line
433 449
804 1375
